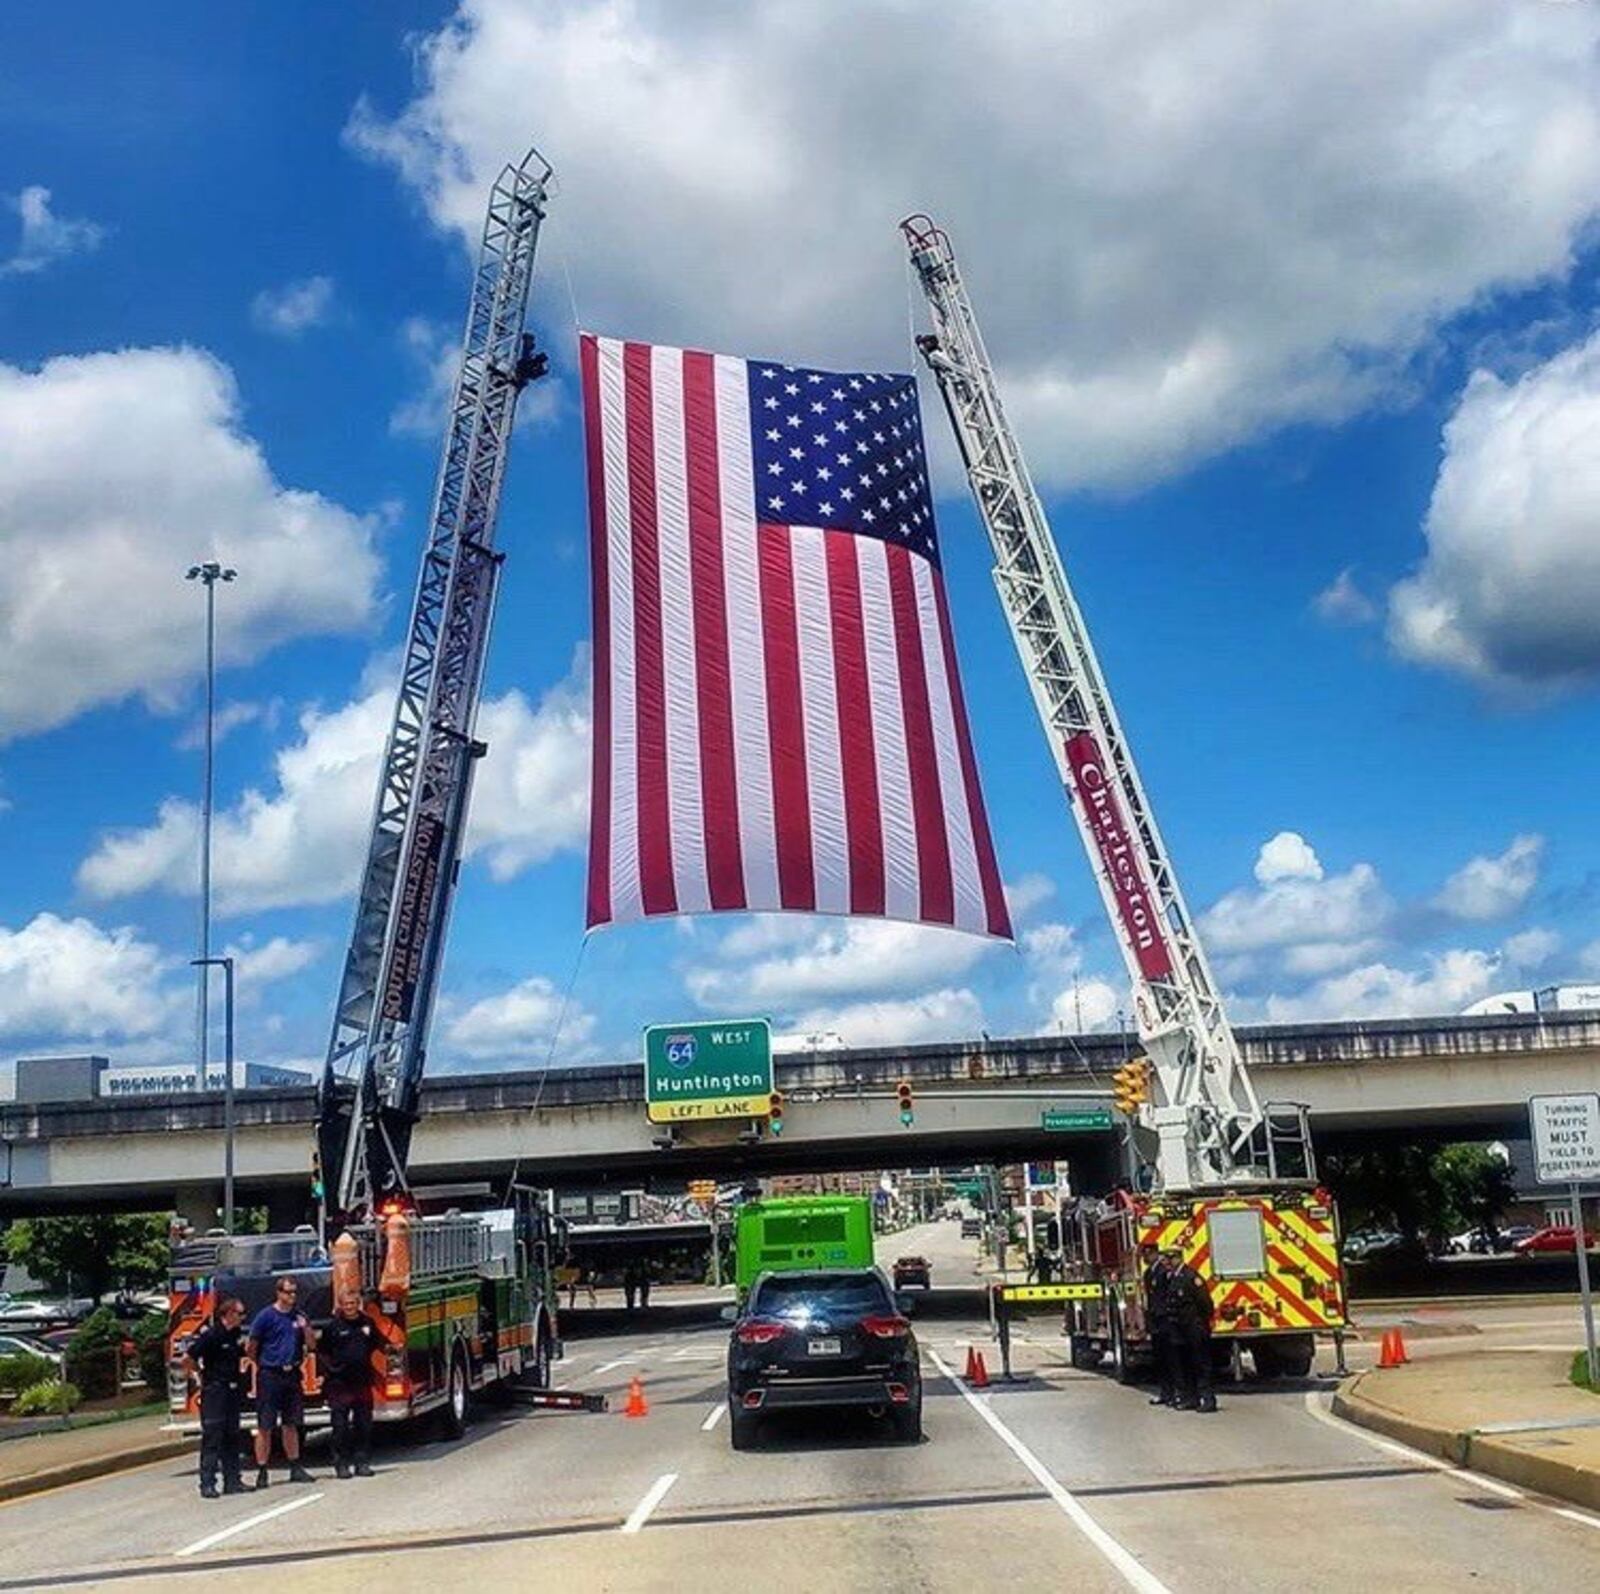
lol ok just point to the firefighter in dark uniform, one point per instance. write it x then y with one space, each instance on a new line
213 1357
345 1349
1158 1315
1189 1303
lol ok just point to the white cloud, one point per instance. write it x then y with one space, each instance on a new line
46 237
434 349
1530 949
838 958
1087 1006
1030 892
1342 602
1491 888
518 1025
1287 856
293 308
276 959
304 840
118 470
942 1015
1299 907
228 718
1183 194
68 979
1509 591
1449 982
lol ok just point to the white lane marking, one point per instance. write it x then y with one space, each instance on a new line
716 1414
658 1493
1314 1405
248 1523
607 1367
1133 1571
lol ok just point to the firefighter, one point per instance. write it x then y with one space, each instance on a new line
1158 1310
280 1338
1189 1303
345 1348
213 1357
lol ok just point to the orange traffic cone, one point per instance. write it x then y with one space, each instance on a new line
1388 1354
1400 1356
637 1405
979 1376
972 1365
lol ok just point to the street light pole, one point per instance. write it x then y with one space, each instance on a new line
209 574
226 965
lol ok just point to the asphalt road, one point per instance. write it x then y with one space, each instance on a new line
1063 1479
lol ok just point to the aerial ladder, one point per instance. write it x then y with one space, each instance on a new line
1234 1180
368 1099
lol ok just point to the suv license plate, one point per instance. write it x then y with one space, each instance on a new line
822 1347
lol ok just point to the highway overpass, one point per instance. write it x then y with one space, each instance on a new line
975 1101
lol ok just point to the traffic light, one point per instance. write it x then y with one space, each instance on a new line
903 1093
1132 1085
703 1190
775 1113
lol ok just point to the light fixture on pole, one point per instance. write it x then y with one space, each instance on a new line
205 965
209 573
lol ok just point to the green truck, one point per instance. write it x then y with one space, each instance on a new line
789 1233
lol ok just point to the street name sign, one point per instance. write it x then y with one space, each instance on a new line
708 1070
1075 1118
1566 1138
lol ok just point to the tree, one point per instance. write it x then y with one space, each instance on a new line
1426 1193
92 1254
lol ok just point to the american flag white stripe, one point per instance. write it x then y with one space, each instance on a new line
705 573
678 620
965 878
902 898
626 899
830 845
746 658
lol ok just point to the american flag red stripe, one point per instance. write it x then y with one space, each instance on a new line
778 715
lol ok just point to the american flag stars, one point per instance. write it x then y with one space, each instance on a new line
865 425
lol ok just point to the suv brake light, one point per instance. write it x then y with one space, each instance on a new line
759 1333
881 1326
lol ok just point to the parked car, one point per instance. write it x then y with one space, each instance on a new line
1372 1242
819 1339
1554 1237
913 1272
27 1345
1510 1236
972 1228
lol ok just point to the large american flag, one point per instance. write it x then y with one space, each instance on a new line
778 720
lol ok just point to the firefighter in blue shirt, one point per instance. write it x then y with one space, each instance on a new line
280 1339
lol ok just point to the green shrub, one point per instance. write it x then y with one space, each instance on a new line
23 1372
150 1335
93 1359
1580 1371
54 1398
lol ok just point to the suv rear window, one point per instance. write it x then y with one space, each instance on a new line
836 1292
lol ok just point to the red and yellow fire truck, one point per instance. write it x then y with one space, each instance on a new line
1269 1258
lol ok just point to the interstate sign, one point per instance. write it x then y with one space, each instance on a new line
708 1070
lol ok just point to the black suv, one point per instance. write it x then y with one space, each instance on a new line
834 1337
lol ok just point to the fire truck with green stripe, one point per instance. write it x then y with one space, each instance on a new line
465 1301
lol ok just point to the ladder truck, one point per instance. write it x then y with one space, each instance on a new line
462 1300
1234 1180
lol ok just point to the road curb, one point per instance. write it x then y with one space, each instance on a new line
93 1467
1466 1447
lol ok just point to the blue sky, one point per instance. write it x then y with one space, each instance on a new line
1313 397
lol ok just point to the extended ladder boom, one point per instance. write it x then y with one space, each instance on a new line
1208 1114
391 974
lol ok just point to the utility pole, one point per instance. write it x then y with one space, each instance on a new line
205 966
209 574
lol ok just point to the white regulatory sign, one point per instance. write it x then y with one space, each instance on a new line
1566 1138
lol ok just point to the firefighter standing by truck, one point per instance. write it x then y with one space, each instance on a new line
1186 1303
345 1349
213 1356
